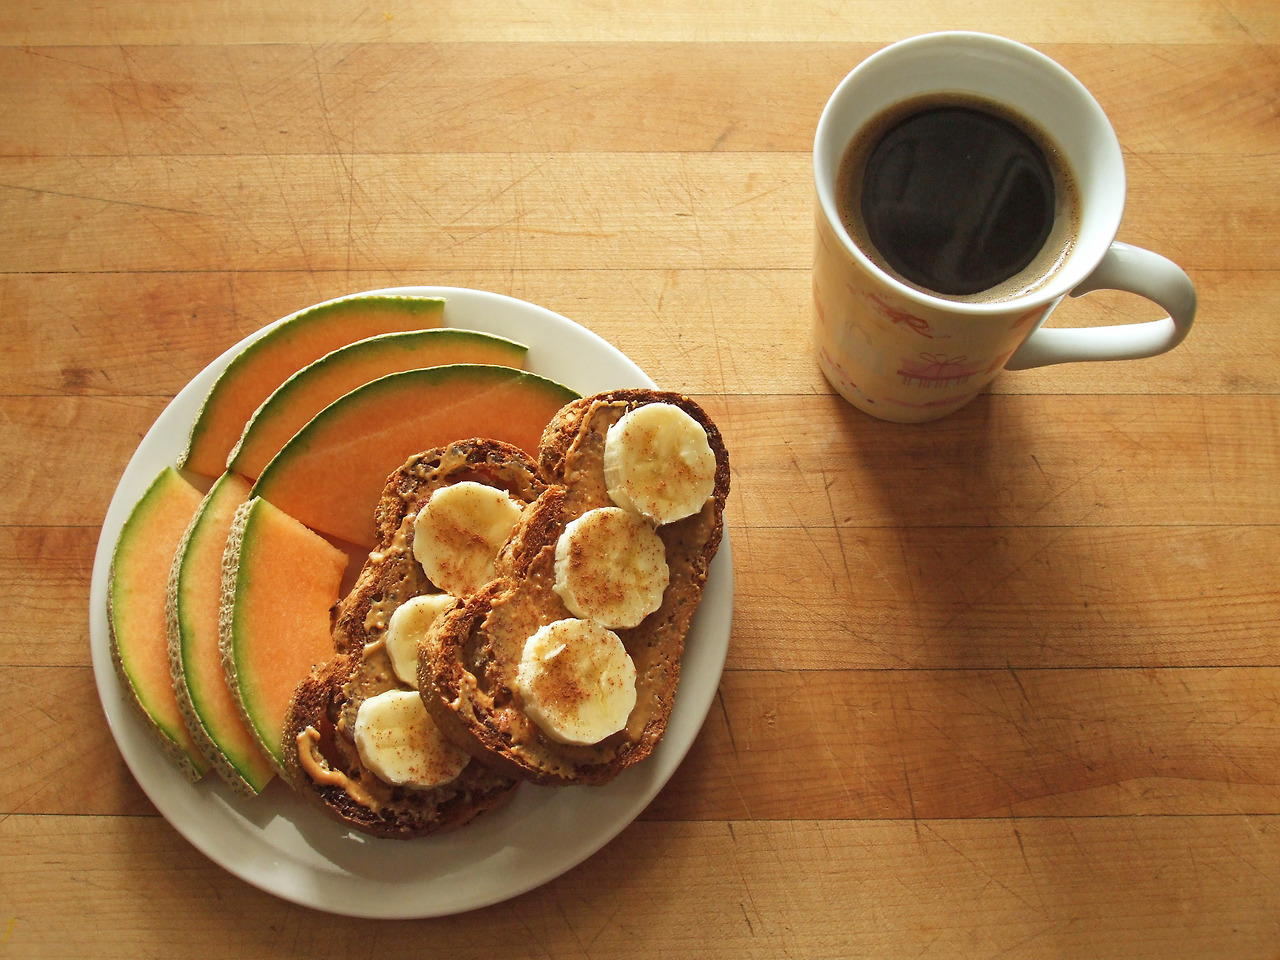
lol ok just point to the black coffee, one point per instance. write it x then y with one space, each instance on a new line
958 197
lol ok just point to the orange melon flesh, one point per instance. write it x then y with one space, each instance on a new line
316 386
195 657
266 363
280 583
135 610
332 473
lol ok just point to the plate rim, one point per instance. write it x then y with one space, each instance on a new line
184 805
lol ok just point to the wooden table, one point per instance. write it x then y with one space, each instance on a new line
1003 685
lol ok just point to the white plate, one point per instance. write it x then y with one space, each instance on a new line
279 843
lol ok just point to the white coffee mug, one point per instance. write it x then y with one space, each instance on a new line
902 354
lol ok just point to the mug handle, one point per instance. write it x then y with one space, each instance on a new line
1134 270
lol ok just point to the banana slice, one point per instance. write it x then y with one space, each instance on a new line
658 463
611 567
411 620
577 681
400 743
458 532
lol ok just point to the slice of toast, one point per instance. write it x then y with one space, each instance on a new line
320 755
467 664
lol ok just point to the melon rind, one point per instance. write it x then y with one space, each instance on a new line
318 384
240 764
149 531
249 544
331 474
299 339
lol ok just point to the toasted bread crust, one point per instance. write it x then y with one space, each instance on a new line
488 461
320 757
467 664
351 794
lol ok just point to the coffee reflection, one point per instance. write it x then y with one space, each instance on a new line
959 197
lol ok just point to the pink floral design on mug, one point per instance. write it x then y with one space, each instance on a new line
897 315
934 370
870 322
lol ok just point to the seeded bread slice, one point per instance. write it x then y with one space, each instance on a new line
467 664
320 756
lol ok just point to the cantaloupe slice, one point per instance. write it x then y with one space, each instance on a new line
195 661
279 582
135 611
332 472
317 385
297 341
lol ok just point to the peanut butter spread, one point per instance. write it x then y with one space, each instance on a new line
531 603
402 580
399 579
317 769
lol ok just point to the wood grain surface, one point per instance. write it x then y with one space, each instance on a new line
1004 685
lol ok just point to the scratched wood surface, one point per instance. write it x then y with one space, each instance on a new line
1003 685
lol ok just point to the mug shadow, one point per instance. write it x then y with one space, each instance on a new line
981 728
992 606
971 523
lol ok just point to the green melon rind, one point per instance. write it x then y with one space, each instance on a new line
319 428
239 551
208 749
295 326
303 439
388 344
192 766
231 592
238 772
